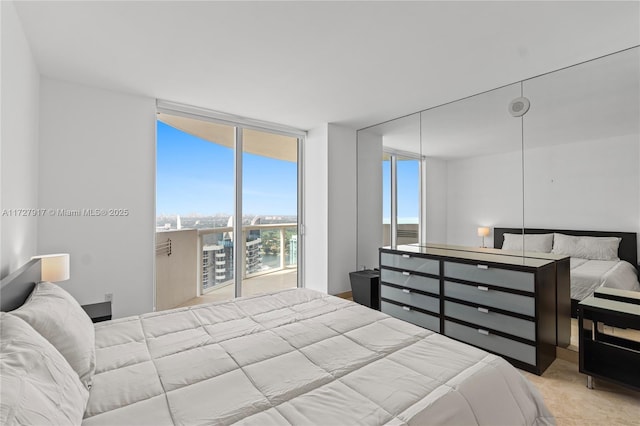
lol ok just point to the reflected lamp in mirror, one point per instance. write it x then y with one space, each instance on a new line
54 267
483 231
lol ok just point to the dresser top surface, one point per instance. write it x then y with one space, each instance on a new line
474 254
611 305
490 250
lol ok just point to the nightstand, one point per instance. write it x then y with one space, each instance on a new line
604 354
365 288
98 311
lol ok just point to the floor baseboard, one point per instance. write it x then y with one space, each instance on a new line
567 354
346 295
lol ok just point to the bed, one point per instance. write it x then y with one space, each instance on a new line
290 357
618 270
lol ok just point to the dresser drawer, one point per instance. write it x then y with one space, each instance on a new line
418 318
501 345
514 326
516 280
407 279
410 263
497 299
407 297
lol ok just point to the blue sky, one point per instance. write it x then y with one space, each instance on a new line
408 190
196 176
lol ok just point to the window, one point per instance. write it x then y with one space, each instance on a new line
238 187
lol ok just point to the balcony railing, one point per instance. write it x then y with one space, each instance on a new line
260 255
266 249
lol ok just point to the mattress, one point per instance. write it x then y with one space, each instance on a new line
298 357
587 275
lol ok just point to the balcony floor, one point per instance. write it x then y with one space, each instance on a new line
280 280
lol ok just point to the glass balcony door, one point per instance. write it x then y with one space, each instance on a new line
270 211
237 188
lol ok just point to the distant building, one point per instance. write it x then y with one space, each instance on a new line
217 259
293 250
215 265
253 258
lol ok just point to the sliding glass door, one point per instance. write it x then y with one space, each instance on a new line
227 203
270 211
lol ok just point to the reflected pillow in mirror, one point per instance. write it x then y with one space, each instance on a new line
539 243
592 248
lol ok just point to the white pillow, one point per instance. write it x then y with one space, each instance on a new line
540 243
593 248
37 385
58 317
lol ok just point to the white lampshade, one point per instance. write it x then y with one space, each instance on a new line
483 231
54 267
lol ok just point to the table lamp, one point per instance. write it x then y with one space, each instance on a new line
54 267
483 231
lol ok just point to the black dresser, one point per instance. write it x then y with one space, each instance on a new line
501 303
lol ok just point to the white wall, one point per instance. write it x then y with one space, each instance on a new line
97 151
18 143
483 191
316 209
330 208
585 185
591 185
369 199
435 181
342 207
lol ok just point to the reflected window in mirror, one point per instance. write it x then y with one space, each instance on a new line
401 186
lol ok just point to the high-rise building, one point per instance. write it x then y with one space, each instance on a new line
253 258
293 250
217 259
214 265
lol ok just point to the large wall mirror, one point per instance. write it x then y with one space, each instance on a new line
582 146
473 166
389 187
571 162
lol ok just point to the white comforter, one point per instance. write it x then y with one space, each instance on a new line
587 275
298 357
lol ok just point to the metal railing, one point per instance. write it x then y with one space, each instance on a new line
224 245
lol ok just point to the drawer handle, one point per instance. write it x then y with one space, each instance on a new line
483 310
406 273
481 331
406 256
483 288
483 266
406 290
406 308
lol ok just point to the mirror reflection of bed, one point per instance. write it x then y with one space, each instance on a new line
597 259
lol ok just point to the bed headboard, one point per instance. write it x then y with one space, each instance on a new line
628 249
16 287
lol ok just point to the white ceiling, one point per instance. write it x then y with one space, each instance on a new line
307 63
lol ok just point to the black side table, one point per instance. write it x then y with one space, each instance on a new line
98 311
603 355
365 287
